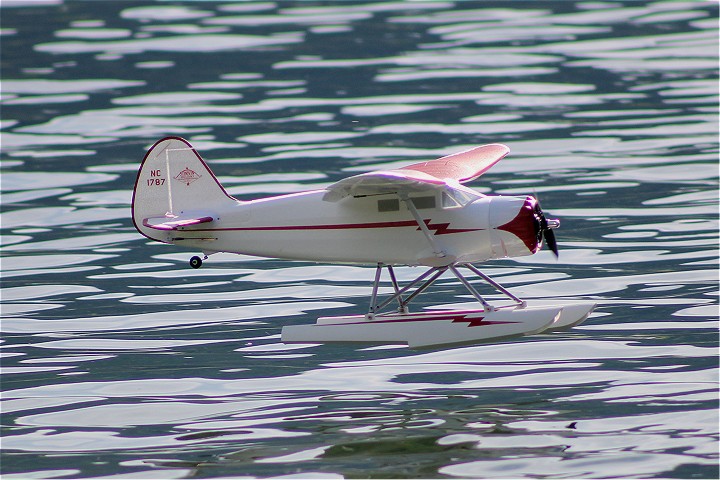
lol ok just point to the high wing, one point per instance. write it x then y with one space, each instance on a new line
447 171
463 166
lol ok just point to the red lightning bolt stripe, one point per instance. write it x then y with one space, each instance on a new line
455 318
438 228
443 228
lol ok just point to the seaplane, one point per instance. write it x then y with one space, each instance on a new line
420 215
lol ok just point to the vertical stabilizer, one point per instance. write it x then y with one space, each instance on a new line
175 186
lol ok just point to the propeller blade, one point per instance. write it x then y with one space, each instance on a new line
551 242
546 229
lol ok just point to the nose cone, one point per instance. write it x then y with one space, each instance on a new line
526 225
531 226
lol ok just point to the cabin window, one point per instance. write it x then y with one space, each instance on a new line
423 202
393 204
454 198
389 205
449 201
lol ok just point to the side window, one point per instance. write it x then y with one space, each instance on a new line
393 204
423 202
389 205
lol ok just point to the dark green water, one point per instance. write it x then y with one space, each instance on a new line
119 361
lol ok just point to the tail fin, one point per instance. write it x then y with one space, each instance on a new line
175 188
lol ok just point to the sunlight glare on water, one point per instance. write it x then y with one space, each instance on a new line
119 360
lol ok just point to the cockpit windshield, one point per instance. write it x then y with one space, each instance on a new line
458 196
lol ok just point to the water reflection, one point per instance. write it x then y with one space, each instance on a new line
120 360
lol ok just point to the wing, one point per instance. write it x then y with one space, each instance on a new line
448 171
463 166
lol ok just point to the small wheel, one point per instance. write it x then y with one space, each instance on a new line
196 262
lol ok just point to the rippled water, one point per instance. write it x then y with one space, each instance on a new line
118 359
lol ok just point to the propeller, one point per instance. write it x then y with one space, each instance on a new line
546 227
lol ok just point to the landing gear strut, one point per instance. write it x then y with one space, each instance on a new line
433 274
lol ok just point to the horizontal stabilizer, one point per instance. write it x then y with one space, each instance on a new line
174 222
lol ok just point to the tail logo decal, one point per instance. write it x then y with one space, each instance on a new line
187 176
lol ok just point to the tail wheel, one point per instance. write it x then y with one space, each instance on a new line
196 262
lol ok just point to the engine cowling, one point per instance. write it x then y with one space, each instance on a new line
529 226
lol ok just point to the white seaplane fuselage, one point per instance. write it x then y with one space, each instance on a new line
178 200
367 230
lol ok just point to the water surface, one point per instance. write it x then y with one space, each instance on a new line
119 360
